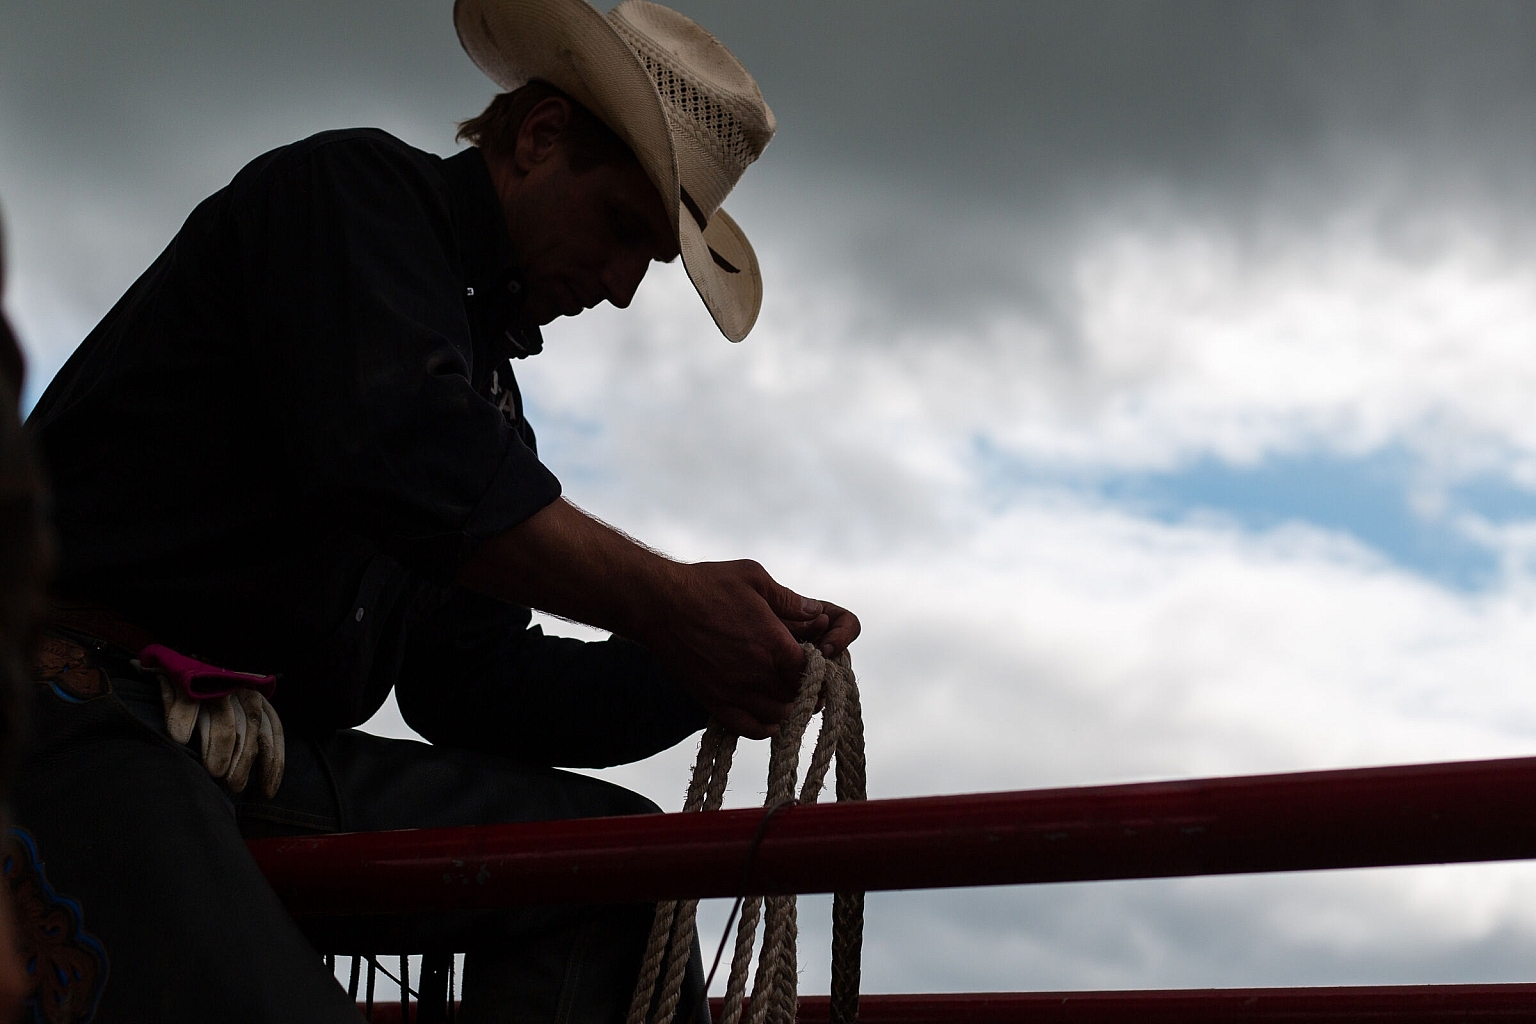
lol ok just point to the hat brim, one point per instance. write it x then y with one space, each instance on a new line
568 44
724 271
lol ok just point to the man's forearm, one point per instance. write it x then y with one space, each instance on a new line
727 631
567 563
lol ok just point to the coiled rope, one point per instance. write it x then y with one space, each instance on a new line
829 685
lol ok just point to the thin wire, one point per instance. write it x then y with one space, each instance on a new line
720 949
374 963
746 878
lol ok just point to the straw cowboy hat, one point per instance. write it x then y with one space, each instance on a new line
683 102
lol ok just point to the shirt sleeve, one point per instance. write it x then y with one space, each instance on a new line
360 344
477 676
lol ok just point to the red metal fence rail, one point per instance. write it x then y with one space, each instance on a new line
1419 1004
1416 814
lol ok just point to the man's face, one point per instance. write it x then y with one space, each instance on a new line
585 237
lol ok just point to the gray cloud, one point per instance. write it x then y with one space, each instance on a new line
968 150
1009 100
977 90
1001 103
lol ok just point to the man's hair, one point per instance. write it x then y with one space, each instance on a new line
588 141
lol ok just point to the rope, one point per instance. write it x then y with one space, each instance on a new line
746 878
831 687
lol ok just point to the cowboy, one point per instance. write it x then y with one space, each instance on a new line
296 449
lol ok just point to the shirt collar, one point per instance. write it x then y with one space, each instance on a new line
490 263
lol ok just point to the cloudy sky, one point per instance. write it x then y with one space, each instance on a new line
1155 379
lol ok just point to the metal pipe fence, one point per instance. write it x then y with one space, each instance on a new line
1365 817
348 886
1419 1004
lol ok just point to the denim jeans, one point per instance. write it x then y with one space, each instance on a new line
130 826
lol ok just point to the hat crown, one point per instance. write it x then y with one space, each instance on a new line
719 121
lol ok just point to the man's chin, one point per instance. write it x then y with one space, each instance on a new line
535 317
542 313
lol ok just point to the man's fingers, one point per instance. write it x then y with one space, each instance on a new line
831 631
772 676
783 602
843 630
809 629
789 660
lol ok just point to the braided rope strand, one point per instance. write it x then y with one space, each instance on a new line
673 926
741 960
848 907
830 687
723 750
776 961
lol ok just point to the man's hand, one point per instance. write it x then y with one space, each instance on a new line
831 631
728 632
720 627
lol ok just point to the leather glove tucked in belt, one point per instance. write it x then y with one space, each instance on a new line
238 727
240 733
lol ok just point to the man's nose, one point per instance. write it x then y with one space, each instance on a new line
622 277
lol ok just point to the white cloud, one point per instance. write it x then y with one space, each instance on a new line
1063 644
1332 338
1052 639
1142 345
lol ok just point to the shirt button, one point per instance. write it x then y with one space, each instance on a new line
358 616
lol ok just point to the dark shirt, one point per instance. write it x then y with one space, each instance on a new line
280 446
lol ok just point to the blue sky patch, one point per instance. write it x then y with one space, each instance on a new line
1366 497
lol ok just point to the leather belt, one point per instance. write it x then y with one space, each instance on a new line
101 623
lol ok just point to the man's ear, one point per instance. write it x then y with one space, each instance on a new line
540 132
